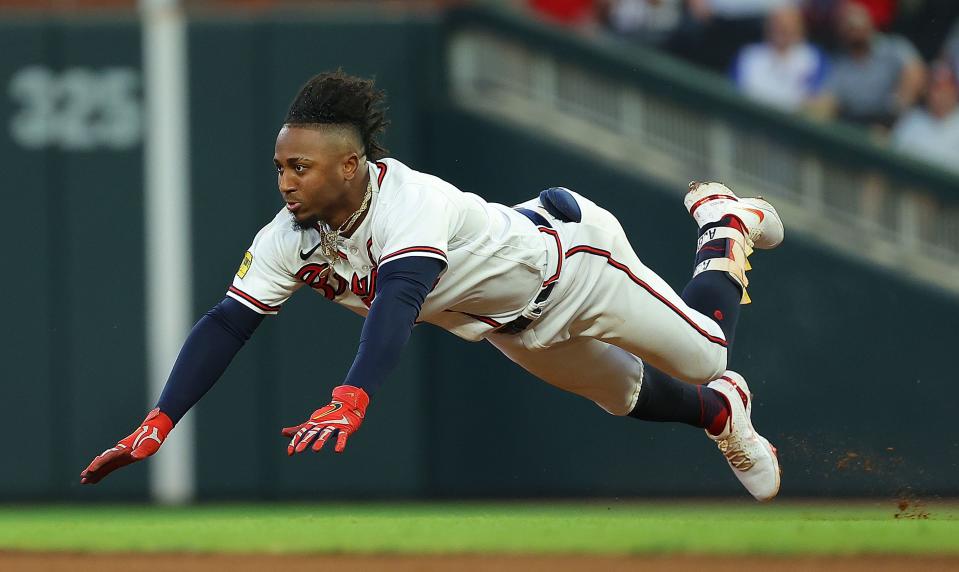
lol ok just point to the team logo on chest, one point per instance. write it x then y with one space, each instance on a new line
365 287
321 278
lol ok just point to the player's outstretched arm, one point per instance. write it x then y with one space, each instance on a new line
205 355
401 289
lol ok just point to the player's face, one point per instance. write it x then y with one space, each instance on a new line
314 168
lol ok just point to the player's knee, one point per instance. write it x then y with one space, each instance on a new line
717 365
710 365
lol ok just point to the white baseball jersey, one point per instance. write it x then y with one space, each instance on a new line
497 260
606 315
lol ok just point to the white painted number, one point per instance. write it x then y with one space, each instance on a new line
77 109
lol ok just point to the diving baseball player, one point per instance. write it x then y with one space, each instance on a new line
552 283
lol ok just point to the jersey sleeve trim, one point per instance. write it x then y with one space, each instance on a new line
251 302
416 250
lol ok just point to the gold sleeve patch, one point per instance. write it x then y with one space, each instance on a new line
245 265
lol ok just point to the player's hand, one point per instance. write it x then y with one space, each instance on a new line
343 415
142 443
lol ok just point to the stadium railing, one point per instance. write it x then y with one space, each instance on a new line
645 111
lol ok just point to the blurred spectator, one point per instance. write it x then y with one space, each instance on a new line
785 70
647 21
875 77
714 30
932 133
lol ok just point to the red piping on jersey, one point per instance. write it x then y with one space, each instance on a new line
559 253
484 319
254 301
342 255
620 266
382 167
429 249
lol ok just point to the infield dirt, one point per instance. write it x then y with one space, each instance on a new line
64 562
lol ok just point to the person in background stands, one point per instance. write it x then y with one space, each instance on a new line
875 78
785 70
932 132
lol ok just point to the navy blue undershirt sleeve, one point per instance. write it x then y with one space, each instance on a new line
208 350
401 287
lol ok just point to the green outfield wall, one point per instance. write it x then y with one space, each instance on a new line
72 204
852 367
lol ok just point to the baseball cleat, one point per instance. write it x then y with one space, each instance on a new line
751 457
709 202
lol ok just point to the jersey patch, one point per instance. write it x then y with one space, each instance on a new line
245 265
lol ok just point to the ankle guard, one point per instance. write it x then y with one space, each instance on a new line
725 249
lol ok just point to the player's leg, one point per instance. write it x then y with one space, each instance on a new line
626 305
728 229
630 306
664 399
717 289
617 381
686 337
603 373
724 409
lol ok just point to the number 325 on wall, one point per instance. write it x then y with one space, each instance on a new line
77 109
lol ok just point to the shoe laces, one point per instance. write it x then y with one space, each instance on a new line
732 448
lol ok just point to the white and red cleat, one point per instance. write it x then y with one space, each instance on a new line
751 457
709 202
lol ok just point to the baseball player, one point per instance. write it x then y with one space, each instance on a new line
553 283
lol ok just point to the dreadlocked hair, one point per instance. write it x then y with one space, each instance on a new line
335 98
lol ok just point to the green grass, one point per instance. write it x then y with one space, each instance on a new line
587 528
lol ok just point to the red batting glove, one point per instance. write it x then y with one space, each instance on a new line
142 443
344 414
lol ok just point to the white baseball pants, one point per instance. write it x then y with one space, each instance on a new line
607 315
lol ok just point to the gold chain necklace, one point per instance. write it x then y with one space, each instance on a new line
328 236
